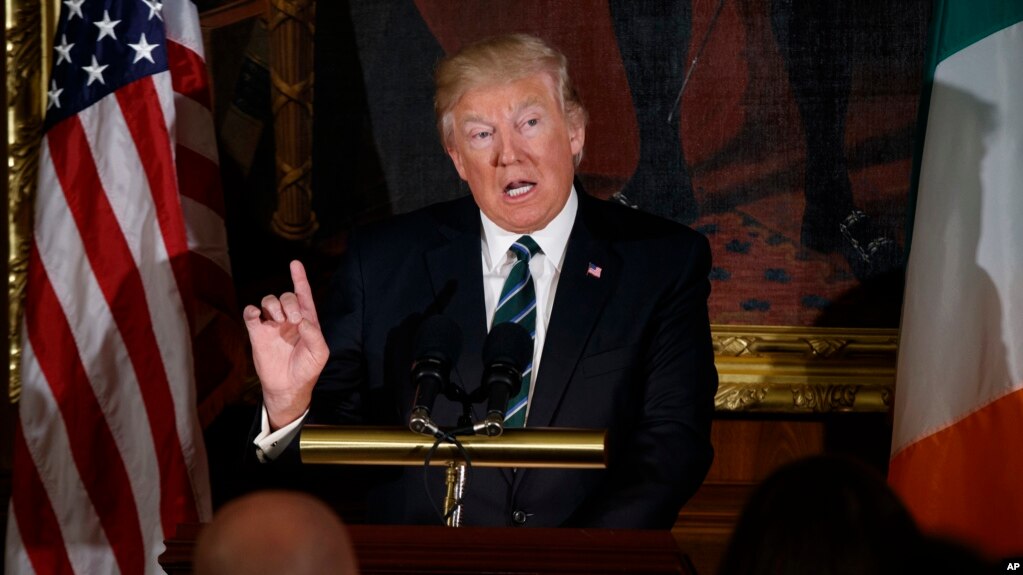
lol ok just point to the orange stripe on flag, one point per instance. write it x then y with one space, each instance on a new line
947 479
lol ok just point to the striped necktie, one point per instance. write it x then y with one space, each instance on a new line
518 304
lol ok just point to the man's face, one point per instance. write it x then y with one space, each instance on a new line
513 144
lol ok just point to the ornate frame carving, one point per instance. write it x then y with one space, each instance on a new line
762 369
804 370
29 26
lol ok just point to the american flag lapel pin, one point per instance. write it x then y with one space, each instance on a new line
593 270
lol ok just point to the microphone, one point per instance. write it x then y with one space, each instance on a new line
507 351
437 345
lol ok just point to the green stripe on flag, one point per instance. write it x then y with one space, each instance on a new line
955 24
963 22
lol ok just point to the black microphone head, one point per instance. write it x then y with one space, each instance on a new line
438 338
508 343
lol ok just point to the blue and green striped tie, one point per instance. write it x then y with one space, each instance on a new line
518 304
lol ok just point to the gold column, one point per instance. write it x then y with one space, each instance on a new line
28 32
291 76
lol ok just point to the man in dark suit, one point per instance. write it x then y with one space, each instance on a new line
618 299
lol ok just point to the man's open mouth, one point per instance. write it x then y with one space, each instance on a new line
515 189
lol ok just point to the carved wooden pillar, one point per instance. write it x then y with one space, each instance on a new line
29 27
291 76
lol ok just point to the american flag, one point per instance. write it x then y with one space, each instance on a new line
128 265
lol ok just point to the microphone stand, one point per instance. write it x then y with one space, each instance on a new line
455 481
505 351
421 422
456 475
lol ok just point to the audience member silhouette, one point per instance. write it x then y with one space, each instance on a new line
275 532
828 515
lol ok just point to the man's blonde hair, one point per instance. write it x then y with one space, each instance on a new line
496 60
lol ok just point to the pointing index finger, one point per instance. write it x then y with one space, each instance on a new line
303 290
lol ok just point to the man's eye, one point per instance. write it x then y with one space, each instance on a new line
532 122
482 135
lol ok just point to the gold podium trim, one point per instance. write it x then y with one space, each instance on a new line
530 447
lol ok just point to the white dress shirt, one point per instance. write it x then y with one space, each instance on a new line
545 267
495 246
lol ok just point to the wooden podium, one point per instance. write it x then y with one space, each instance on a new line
397 550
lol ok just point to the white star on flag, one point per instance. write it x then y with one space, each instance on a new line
143 50
121 358
106 26
74 8
155 8
95 72
63 50
53 95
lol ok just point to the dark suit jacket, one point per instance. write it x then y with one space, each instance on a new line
629 351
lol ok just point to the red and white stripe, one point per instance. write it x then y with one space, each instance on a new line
214 317
128 265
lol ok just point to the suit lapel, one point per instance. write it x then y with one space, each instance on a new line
578 303
456 276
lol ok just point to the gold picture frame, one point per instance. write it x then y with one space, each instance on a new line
762 369
28 27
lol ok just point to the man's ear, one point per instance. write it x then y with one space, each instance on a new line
456 159
576 135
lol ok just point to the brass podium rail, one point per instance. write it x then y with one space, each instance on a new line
530 447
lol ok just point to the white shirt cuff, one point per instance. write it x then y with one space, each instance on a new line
269 445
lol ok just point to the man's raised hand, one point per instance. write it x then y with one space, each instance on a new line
288 349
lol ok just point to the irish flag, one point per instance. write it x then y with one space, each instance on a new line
957 450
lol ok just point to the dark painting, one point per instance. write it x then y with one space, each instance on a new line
781 129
